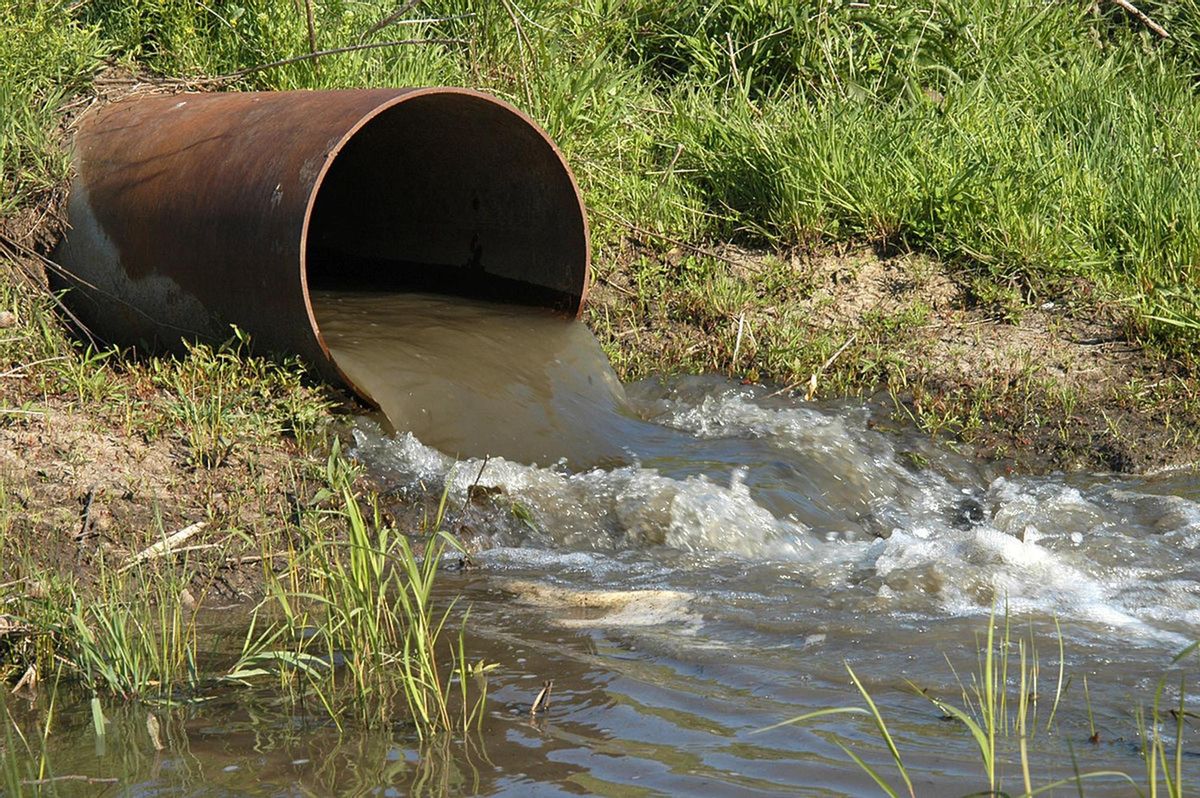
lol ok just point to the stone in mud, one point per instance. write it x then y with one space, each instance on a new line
609 608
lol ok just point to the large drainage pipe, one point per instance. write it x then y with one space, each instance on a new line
193 212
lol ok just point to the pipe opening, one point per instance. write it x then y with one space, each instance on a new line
450 192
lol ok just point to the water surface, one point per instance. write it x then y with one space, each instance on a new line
692 560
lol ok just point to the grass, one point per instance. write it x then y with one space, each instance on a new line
1023 143
1034 152
246 448
999 704
363 630
350 616
1025 147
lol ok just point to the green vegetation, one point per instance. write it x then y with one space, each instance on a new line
369 603
349 618
204 468
1030 151
1000 703
1023 142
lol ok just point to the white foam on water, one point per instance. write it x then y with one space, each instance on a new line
610 509
1093 553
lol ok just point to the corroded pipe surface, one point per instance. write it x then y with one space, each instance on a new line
193 212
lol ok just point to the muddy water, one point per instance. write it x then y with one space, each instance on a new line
476 378
703 565
707 556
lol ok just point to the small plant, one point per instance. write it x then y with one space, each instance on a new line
364 631
989 713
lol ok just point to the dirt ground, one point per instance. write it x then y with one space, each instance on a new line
1055 384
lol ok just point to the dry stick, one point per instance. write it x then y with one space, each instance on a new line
521 46
312 32
15 247
17 372
668 174
419 21
390 19
1141 17
612 217
54 779
165 546
812 381
737 345
241 73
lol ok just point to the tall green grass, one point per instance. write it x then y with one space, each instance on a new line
1024 142
999 704
46 54
351 620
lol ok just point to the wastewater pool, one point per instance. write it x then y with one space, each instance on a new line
693 560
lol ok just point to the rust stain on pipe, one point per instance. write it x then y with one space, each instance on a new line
193 212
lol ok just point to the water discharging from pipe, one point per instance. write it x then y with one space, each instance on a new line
475 378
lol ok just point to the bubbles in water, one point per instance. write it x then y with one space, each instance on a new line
702 475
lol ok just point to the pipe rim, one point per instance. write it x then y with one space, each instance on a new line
353 130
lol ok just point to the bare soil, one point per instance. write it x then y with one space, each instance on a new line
1052 385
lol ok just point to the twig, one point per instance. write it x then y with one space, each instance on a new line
812 380
479 476
17 372
165 546
542 702
15 247
312 31
612 217
28 682
84 779
1141 17
522 45
250 559
241 73
737 345
606 281
86 516
390 19
667 175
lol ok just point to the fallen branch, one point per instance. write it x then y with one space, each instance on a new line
165 546
241 73
55 779
812 380
1141 17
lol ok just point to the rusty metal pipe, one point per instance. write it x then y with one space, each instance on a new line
193 212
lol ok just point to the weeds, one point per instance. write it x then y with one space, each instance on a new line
364 631
1000 703
352 620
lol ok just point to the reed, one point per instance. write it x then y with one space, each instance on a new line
999 703
363 632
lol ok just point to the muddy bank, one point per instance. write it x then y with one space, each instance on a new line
1048 382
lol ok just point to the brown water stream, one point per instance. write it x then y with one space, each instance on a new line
694 560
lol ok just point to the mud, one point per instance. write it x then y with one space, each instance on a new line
1043 383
